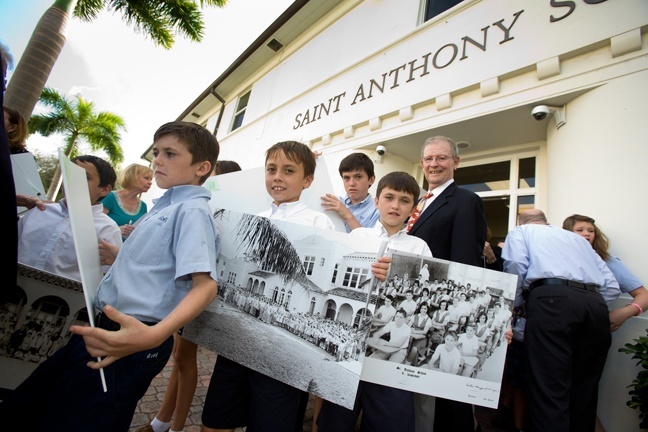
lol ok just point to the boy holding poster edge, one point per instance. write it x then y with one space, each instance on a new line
237 395
383 408
162 278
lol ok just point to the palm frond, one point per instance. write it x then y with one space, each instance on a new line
88 10
269 248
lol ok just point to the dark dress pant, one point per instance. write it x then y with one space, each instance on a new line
567 337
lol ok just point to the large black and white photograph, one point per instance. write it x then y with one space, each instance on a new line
35 321
439 329
294 303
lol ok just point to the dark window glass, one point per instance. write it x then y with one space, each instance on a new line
435 7
240 111
483 178
527 173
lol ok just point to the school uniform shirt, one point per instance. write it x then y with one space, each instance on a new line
395 332
365 211
627 281
152 272
386 313
297 212
400 241
45 238
469 345
449 361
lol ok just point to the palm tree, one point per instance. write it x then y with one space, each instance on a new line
76 120
157 19
268 247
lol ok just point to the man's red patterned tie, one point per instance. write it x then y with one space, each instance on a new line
417 211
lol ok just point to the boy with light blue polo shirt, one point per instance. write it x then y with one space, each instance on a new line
162 278
357 208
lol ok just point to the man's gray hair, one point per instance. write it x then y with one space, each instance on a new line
441 138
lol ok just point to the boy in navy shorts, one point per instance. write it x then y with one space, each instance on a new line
162 278
239 396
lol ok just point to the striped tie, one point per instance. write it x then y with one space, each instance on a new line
417 211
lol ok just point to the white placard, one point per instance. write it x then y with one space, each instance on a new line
86 244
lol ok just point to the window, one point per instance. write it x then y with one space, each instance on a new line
436 7
334 274
354 277
311 311
483 178
309 263
240 111
231 278
322 261
275 294
506 187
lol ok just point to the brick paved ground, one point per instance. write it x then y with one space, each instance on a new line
150 403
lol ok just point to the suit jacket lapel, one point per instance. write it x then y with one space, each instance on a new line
436 205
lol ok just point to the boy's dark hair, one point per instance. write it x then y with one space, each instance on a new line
202 145
295 152
226 166
357 162
107 174
400 182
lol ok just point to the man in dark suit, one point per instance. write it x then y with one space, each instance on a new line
452 222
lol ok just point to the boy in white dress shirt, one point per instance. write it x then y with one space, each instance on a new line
45 237
383 408
239 396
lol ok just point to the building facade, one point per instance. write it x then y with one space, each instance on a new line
536 93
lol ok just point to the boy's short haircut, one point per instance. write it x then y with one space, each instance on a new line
107 174
451 333
400 182
132 172
390 298
357 162
295 152
226 166
202 145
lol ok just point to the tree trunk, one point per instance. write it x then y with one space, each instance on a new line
36 63
55 185
57 178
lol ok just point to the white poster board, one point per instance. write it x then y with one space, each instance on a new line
84 234
26 177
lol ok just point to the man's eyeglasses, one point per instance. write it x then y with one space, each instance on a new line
439 159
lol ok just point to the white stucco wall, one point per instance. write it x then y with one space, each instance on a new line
596 166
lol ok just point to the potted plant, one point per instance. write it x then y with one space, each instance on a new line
639 393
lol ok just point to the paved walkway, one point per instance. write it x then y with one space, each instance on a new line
150 403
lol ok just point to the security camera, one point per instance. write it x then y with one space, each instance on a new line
541 112
381 150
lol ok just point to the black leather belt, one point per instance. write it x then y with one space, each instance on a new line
106 323
569 283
